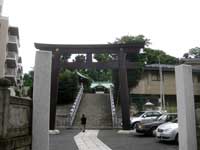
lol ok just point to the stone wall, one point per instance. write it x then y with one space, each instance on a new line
15 121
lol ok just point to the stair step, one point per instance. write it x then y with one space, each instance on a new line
96 108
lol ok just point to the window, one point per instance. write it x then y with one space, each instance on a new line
155 76
198 78
156 114
171 117
149 114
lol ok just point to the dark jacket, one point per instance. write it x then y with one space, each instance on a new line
83 120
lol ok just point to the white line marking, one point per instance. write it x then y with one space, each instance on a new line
126 131
88 141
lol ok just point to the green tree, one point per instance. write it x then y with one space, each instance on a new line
28 81
193 53
95 74
152 56
129 39
103 57
80 58
133 75
28 78
68 86
103 74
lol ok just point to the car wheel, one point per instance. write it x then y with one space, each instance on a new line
176 138
134 125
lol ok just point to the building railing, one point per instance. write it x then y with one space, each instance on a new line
113 110
13 39
12 72
75 106
12 55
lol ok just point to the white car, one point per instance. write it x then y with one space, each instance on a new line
168 131
144 116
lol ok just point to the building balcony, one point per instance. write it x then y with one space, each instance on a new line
12 46
11 59
11 74
13 39
13 31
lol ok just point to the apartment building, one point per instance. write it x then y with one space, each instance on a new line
1 5
10 61
148 87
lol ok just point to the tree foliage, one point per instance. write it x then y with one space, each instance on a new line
193 53
152 56
80 58
68 86
103 57
28 78
28 81
95 74
133 75
129 39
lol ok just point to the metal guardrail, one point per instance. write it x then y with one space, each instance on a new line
113 110
75 106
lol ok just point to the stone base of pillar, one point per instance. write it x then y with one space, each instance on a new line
53 132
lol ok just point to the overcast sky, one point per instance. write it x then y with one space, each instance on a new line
172 25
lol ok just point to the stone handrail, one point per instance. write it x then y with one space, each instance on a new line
113 110
75 106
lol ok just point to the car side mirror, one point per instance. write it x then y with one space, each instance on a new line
144 116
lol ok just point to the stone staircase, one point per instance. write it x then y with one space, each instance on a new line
96 108
61 116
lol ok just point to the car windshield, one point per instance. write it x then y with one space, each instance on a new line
162 118
138 114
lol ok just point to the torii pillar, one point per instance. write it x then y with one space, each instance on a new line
123 85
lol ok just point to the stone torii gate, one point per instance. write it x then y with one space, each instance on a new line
60 55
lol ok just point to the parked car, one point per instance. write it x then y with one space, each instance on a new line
168 131
144 115
149 127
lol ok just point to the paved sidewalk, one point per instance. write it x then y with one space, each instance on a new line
89 141
106 140
64 140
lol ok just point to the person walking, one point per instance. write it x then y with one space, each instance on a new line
83 122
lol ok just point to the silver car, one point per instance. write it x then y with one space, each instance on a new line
145 116
168 131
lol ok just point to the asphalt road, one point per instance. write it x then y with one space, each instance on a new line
133 141
113 139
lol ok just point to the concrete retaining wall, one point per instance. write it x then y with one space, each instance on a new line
15 122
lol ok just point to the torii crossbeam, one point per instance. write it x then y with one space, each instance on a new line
120 50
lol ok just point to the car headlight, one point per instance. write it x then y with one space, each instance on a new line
140 126
168 130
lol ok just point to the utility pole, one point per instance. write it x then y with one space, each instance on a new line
162 96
